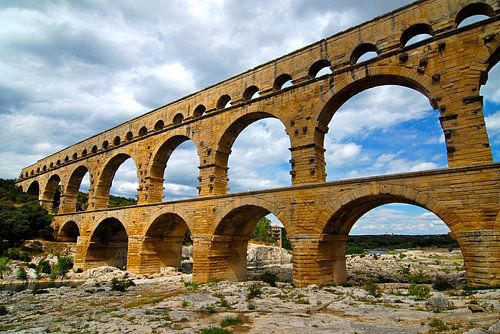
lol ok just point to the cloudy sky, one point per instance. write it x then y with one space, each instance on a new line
70 69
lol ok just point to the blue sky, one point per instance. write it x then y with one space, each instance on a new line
69 70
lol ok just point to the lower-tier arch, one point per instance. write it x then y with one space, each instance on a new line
107 245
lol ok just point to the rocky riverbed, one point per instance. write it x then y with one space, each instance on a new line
389 293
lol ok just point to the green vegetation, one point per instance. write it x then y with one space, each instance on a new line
391 242
21 217
43 267
210 309
254 291
262 231
230 321
372 289
3 310
114 201
215 330
121 284
438 324
192 286
223 302
4 266
420 291
21 274
61 268
441 284
268 277
354 249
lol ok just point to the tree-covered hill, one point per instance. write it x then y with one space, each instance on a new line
21 217
114 201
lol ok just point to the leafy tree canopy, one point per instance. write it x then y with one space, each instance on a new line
21 217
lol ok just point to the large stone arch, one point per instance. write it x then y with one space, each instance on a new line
348 85
350 206
100 195
48 194
270 207
33 189
162 243
70 198
158 163
227 250
370 76
335 222
227 136
108 244
477 75
69 232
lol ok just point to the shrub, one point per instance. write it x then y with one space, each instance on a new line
372 289
64 264
185 303
268 277
43 267
21 274
254 291
230 321
191 286
438 324
418 277
215 330
223 302
121 284
4 266
16 254
3 310
420 291
251 306
441 284
209 309
354 249
61 268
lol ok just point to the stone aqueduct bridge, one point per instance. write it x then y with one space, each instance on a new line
448 68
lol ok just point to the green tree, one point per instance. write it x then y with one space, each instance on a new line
21 217
262 231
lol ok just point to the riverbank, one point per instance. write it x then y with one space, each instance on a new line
170 303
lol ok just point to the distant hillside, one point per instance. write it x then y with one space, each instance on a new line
10 194
392 241
114 201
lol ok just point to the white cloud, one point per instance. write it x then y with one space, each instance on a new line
493 124
399 219
259 157
342 154
377 109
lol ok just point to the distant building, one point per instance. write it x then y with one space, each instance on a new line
275 231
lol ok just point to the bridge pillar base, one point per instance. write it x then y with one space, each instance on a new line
481 252
152 254
319 259
219 258
81 249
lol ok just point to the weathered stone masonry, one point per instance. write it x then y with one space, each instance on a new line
447 68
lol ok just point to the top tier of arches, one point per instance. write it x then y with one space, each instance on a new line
335 54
